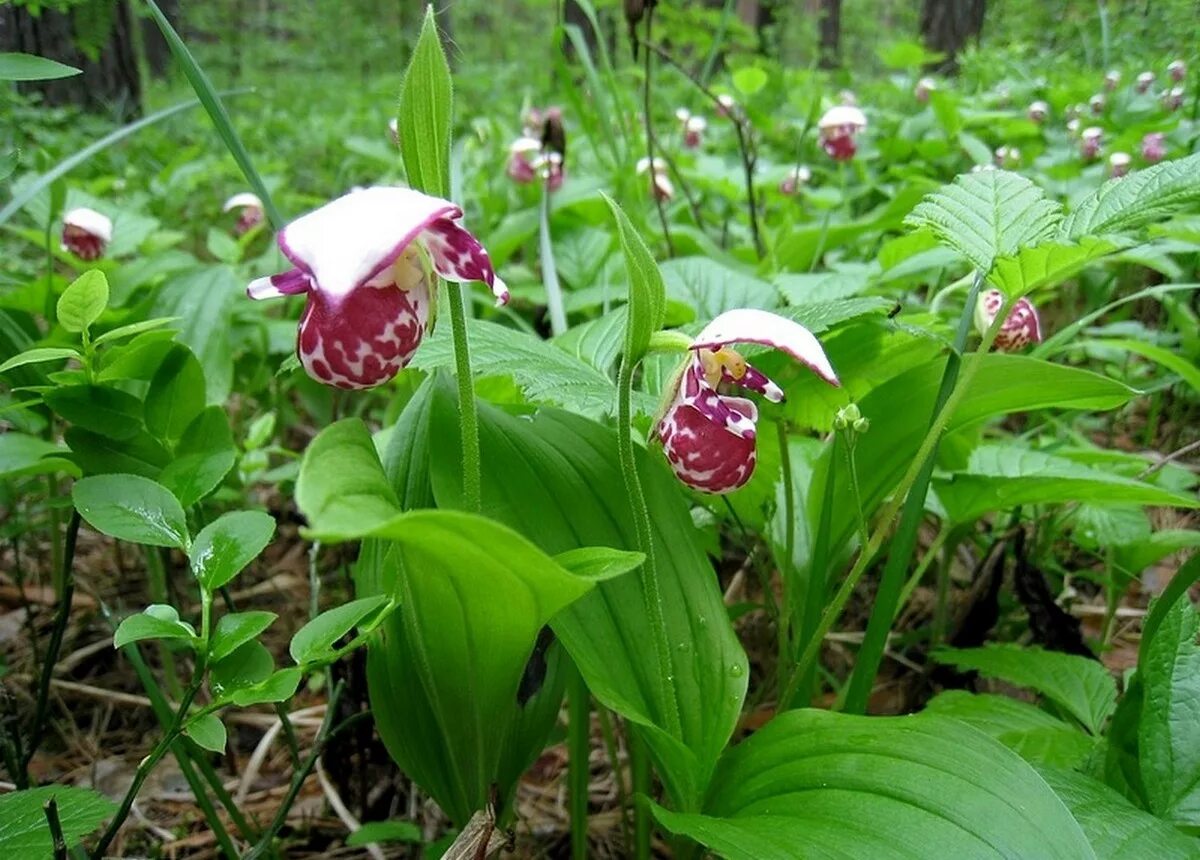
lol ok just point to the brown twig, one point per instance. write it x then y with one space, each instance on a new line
646 89
736 117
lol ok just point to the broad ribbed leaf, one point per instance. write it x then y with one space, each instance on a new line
987 215
1035 735
1125 204
1046 265
544 372
902 406
597 342
341 488
821 784
999 477
556 479
423 122
1080 687
1116 828
1169 731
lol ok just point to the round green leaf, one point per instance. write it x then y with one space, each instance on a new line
83 301
227 544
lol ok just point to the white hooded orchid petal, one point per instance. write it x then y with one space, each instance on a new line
241 201
750 325
90 221
843 116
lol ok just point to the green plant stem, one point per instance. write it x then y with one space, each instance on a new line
66 594
852 471
614 759
324 733
904 541
645 538
554 296
147 764
156 580
802 682
215 108
932 436
467 416
579 747
944 554
639 764
787 563
56 832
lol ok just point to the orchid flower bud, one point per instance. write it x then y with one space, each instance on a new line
660 183
1008 157
1112 79
249 209
523 157
1097 103
363 262
837 128
1038 111
86 233
1118 164
922 90
726 106
708 436
1019 329
1173 98
1144 81
1090 141
1154 147
1177 70
693 131
796 178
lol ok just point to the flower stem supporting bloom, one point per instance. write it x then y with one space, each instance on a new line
926 452
554 296
467 416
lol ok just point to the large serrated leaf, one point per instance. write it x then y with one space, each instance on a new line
987 215
1047 264
543 371
1125 204
819 784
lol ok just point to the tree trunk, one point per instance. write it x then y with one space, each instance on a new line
947 26
830 28
97 37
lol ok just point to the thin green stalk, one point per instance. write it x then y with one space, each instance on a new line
215 108
614 758
786 564
324 733
802 683
56 832
467 416
579 748
147 764
928 444
66 593
905 539
852 470
554 297
156 580
645 538
639 763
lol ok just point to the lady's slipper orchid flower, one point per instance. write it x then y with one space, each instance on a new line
796 178
709 437
86 233
1177 70
693 131
1112 79
1173 98
726 106
660 183
249 209
1038 111
523 158
362 260
1020 328
1097 103
1118 164
1008 157
924 87
1144 81
838 127
1090 140
1154 147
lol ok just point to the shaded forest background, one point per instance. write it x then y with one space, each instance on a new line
121 52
